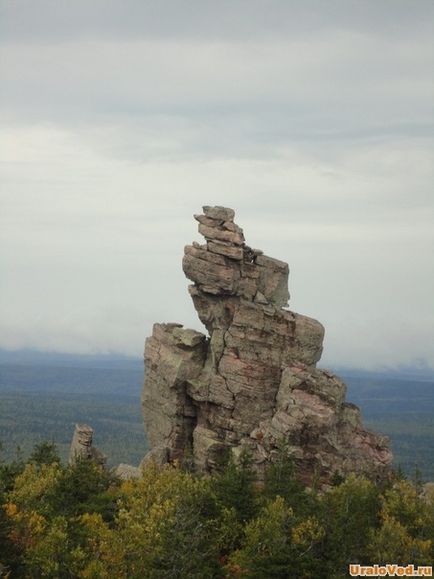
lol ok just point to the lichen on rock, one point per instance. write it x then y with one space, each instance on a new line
252 382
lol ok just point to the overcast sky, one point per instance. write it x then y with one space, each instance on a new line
312 119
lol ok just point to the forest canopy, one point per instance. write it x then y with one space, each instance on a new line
81 521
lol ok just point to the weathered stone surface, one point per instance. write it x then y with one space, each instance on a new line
208 221
217 212
253 382
208 447
226 250
427 493
128 472
173 356
159 455
210 270
82 446
273 280
221 234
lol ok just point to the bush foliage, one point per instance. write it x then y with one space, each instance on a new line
80 521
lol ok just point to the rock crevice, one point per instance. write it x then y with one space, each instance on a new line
252 382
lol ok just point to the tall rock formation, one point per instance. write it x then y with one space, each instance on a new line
252 382
82 446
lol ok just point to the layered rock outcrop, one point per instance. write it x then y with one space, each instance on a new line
82 446
252 382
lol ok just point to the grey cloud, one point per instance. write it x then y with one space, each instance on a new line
201 78
58 20
120 119
147 101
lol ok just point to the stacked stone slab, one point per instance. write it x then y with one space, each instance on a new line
252 382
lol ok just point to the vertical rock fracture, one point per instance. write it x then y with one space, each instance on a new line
252 383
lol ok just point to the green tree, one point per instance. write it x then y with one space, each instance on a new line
167 525
265 551
44 453
276 546
404 503
35 489
9 552
85 487
393 542
348 513
281 480
55 555
234 487
43 510
407 526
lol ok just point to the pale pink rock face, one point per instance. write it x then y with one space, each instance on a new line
252 382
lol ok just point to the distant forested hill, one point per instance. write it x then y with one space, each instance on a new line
402 408
42 396
42 400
